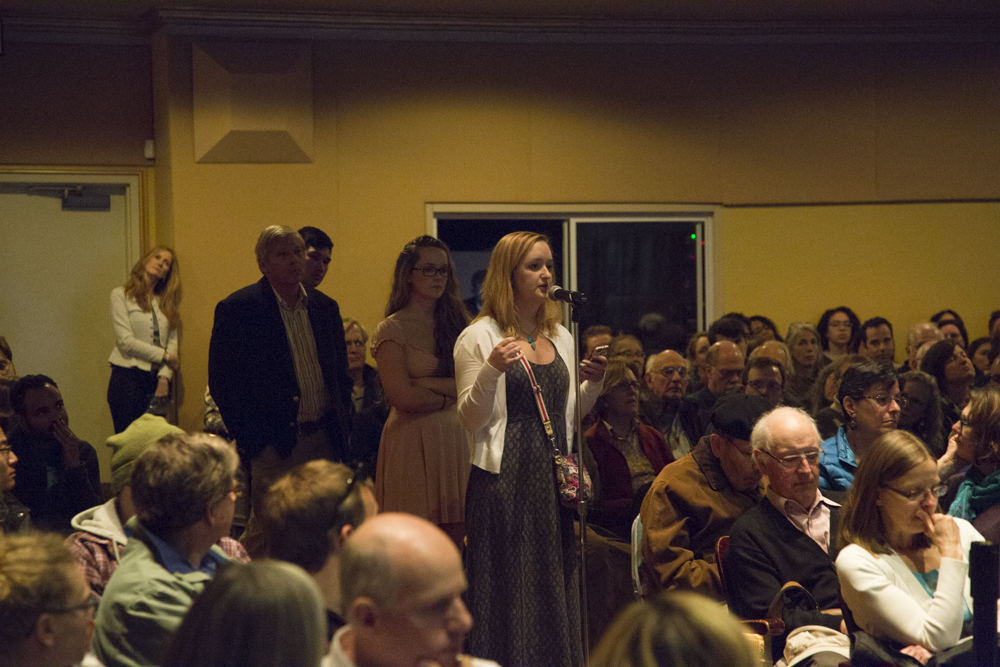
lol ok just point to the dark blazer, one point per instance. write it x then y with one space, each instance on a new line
251 374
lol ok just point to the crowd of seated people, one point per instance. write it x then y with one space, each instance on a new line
810 457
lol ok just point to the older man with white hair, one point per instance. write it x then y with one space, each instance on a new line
790 536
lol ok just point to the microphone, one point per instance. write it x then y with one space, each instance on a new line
557 293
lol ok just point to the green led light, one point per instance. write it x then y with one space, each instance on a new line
694 236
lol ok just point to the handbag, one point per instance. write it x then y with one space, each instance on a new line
566 466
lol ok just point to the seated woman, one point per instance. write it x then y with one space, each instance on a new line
975 439
682 629
952 326
807 360
904 566
922 414
261 614
948 364
826 408
763 329
697 357
837 327
627 453
629 349
869 397
979 352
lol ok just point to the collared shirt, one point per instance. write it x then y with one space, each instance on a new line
639 467
175 563
313 395
813 521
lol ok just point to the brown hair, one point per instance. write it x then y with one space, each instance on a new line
305 510
167 290
984 419
498 290
450 315
177 479
891 456
616 373
34 578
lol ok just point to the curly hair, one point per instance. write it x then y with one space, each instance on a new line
928 428
824 324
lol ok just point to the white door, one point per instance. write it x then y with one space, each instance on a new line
57 270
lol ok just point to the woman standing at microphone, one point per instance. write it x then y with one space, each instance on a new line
521 554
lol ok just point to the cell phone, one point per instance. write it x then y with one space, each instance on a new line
599 351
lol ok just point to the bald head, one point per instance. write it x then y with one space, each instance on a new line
402 584
668 375
920 333
786 433
776 350
725 366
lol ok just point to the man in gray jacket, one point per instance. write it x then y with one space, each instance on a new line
184 490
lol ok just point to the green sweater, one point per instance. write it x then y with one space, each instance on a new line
143 605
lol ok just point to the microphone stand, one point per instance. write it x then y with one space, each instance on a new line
581 507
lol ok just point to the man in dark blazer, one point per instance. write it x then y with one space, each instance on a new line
791 535
277 368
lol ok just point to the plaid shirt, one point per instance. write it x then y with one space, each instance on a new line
94 554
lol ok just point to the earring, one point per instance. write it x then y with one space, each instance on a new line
852 423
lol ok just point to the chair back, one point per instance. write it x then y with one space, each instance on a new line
636 556
721 546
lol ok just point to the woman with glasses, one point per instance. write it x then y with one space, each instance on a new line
521 556
628 454
629 349
922 414
836 328
975 440
951 367
869 397
807 360
904 566
423 459
367 387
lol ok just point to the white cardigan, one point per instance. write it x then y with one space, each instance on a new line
887 600
134 346
482 390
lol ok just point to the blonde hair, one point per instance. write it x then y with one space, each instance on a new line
34 578
167 290
498 289
351 322
676 629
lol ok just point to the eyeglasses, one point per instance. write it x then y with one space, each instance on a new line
732 441
630 384
963 422
793 461
839 325
762 387
630 353
90 604
355 343
909 399
667 371
431 271
920 494
884 401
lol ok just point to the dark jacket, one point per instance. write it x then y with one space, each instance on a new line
251 374
14 516
53 492
695 413
766 551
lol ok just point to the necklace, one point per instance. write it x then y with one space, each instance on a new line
531 339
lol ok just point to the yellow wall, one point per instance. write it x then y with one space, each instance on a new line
752 128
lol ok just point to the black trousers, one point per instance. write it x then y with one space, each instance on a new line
129 393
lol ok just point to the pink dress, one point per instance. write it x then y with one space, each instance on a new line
423 458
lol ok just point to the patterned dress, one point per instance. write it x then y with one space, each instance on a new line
521 556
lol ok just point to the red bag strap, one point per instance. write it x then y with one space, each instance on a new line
540 402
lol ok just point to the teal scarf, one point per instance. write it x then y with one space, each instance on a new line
976 493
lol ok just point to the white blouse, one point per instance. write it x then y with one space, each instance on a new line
134 347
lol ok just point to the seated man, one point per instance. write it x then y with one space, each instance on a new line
667 380
790 535
46 609
13 515
874 340
100 537
184 489
725 367
920 333
694 501
402 581
308 515
58 474
765 377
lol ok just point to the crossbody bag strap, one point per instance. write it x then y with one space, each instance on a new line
540 403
